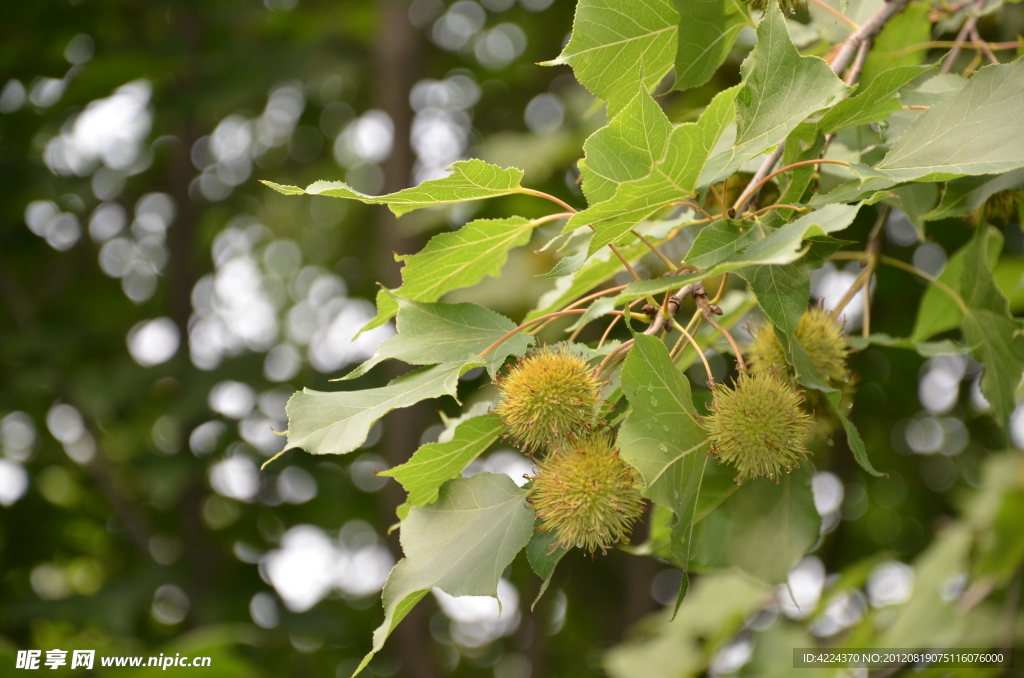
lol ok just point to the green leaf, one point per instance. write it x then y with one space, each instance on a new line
429 334
707 32
625 149
662 439
963 196
672 178
436 463
337 423
938 312
714 611
470 180
719 240
909 27
979 130
544 555
853 439
763 528
989 326
1002 551
611 37
782 246
874 103
453 260
460 544
287 190
780 89
783 291
598 269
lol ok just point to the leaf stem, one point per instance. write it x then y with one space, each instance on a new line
512 333
696 346
836 13
653 248
909 268
924 275
613 353
749 191
694 206
547 196
942 44
961 40
851 292
550 217
589 297
721 288
798 208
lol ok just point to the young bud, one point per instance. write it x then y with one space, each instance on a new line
587 495
759 426
549 399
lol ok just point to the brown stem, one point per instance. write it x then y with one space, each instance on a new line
750 191
625 262
980 44
584 300
614 352
651 246
696 346
839 64
961 38
547 196
851 293
836 13
508 335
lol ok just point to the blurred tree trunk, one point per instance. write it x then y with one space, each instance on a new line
397 61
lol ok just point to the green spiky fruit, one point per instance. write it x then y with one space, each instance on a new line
587 495
820 335
549 399
759 426
999 209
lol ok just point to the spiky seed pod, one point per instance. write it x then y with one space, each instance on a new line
549 399
587 495
999 209
787 6
820 335
759 426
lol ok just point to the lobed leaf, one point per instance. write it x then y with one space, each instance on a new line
337 423
782 246
707 32
662 438
461 544
764 529
780 88
453 260
433 333
611 37
672 178
997 336
625 149
470 180
874 103
434 464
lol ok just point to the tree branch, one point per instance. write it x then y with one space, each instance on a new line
866 32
